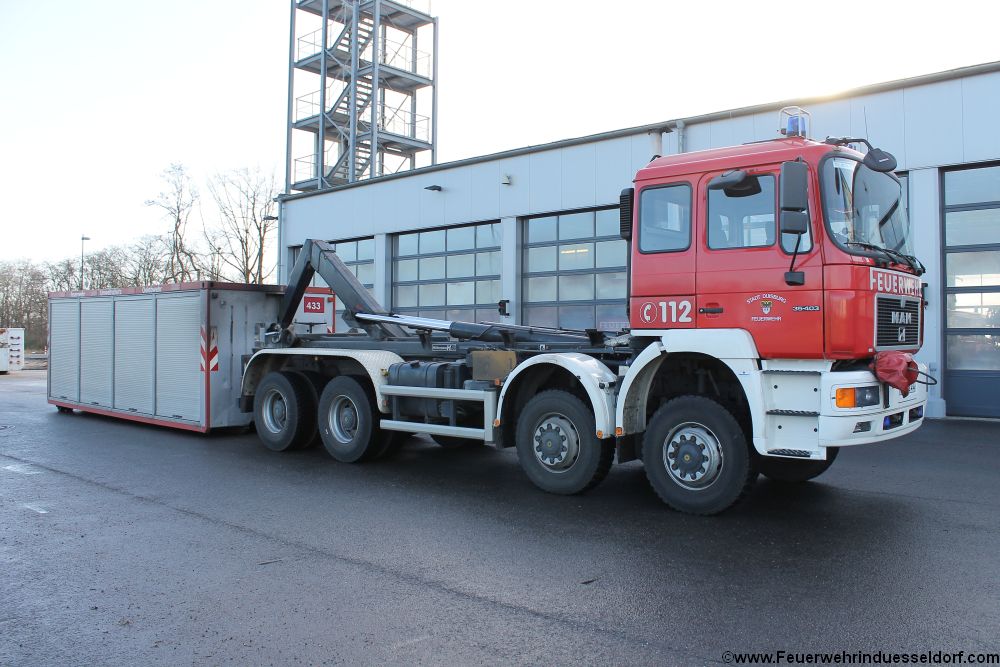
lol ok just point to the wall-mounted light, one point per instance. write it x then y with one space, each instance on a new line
433 188
506 180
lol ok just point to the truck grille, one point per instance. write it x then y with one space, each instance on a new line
897 323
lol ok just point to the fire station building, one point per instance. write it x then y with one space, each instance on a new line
538 227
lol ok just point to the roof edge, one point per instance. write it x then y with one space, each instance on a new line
670 125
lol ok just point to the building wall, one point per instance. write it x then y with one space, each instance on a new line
927 126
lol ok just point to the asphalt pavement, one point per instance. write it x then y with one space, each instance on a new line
127 544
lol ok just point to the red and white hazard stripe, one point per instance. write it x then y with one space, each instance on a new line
209 351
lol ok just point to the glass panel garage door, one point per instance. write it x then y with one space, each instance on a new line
972 291
359 256
575 271
448 274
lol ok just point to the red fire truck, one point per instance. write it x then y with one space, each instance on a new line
774 304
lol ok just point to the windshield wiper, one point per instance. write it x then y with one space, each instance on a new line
909 260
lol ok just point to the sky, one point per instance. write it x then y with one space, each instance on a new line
97 98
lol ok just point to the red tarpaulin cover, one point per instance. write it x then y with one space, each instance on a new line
896 369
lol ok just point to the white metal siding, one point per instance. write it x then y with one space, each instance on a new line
179 381
97 337
64 349
134 349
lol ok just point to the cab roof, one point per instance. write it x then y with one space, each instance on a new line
733 157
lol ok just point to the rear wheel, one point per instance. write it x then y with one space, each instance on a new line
790 470
557 444
347 421
284 411
696 456
63 410
315 382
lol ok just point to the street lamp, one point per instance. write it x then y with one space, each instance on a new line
82 239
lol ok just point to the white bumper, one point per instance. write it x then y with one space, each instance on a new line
840 427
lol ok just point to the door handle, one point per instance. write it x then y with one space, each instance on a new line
710 311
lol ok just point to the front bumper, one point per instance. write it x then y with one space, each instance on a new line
895 415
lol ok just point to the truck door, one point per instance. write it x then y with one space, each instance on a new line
741 265
663 258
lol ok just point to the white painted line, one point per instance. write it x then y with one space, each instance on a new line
23 468
34 508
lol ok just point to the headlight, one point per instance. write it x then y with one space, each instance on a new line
858 397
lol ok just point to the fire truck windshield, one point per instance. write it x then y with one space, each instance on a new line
864 209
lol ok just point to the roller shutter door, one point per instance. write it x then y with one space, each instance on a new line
64 349
97 339
179 380
134 362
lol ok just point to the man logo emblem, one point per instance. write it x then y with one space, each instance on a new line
765 305
902 334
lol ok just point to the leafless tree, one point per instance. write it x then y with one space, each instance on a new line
178 201
24 300
145 263
245 201
63 275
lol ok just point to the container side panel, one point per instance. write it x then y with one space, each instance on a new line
64 349
179 379
134 350
236 317
97 339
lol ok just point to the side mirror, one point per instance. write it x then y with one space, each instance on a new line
794 222
626 202
794 187
727 180
877 159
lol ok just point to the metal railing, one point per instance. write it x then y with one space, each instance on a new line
305 169
308 105
398 121
405 124
400 55
395 54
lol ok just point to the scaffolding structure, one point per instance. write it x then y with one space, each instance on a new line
374 109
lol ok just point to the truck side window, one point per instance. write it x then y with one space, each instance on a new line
740 220
665 218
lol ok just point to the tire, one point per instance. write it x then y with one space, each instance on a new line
284 411
347 423
63 410
695 426
451 442
314 381
790 470
557 444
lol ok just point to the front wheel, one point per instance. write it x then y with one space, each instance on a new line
557 444
696 456
790 470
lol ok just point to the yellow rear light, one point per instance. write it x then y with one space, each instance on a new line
845 398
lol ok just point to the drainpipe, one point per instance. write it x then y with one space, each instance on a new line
656 142
679 129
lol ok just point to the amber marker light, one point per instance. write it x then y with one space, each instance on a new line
845 397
